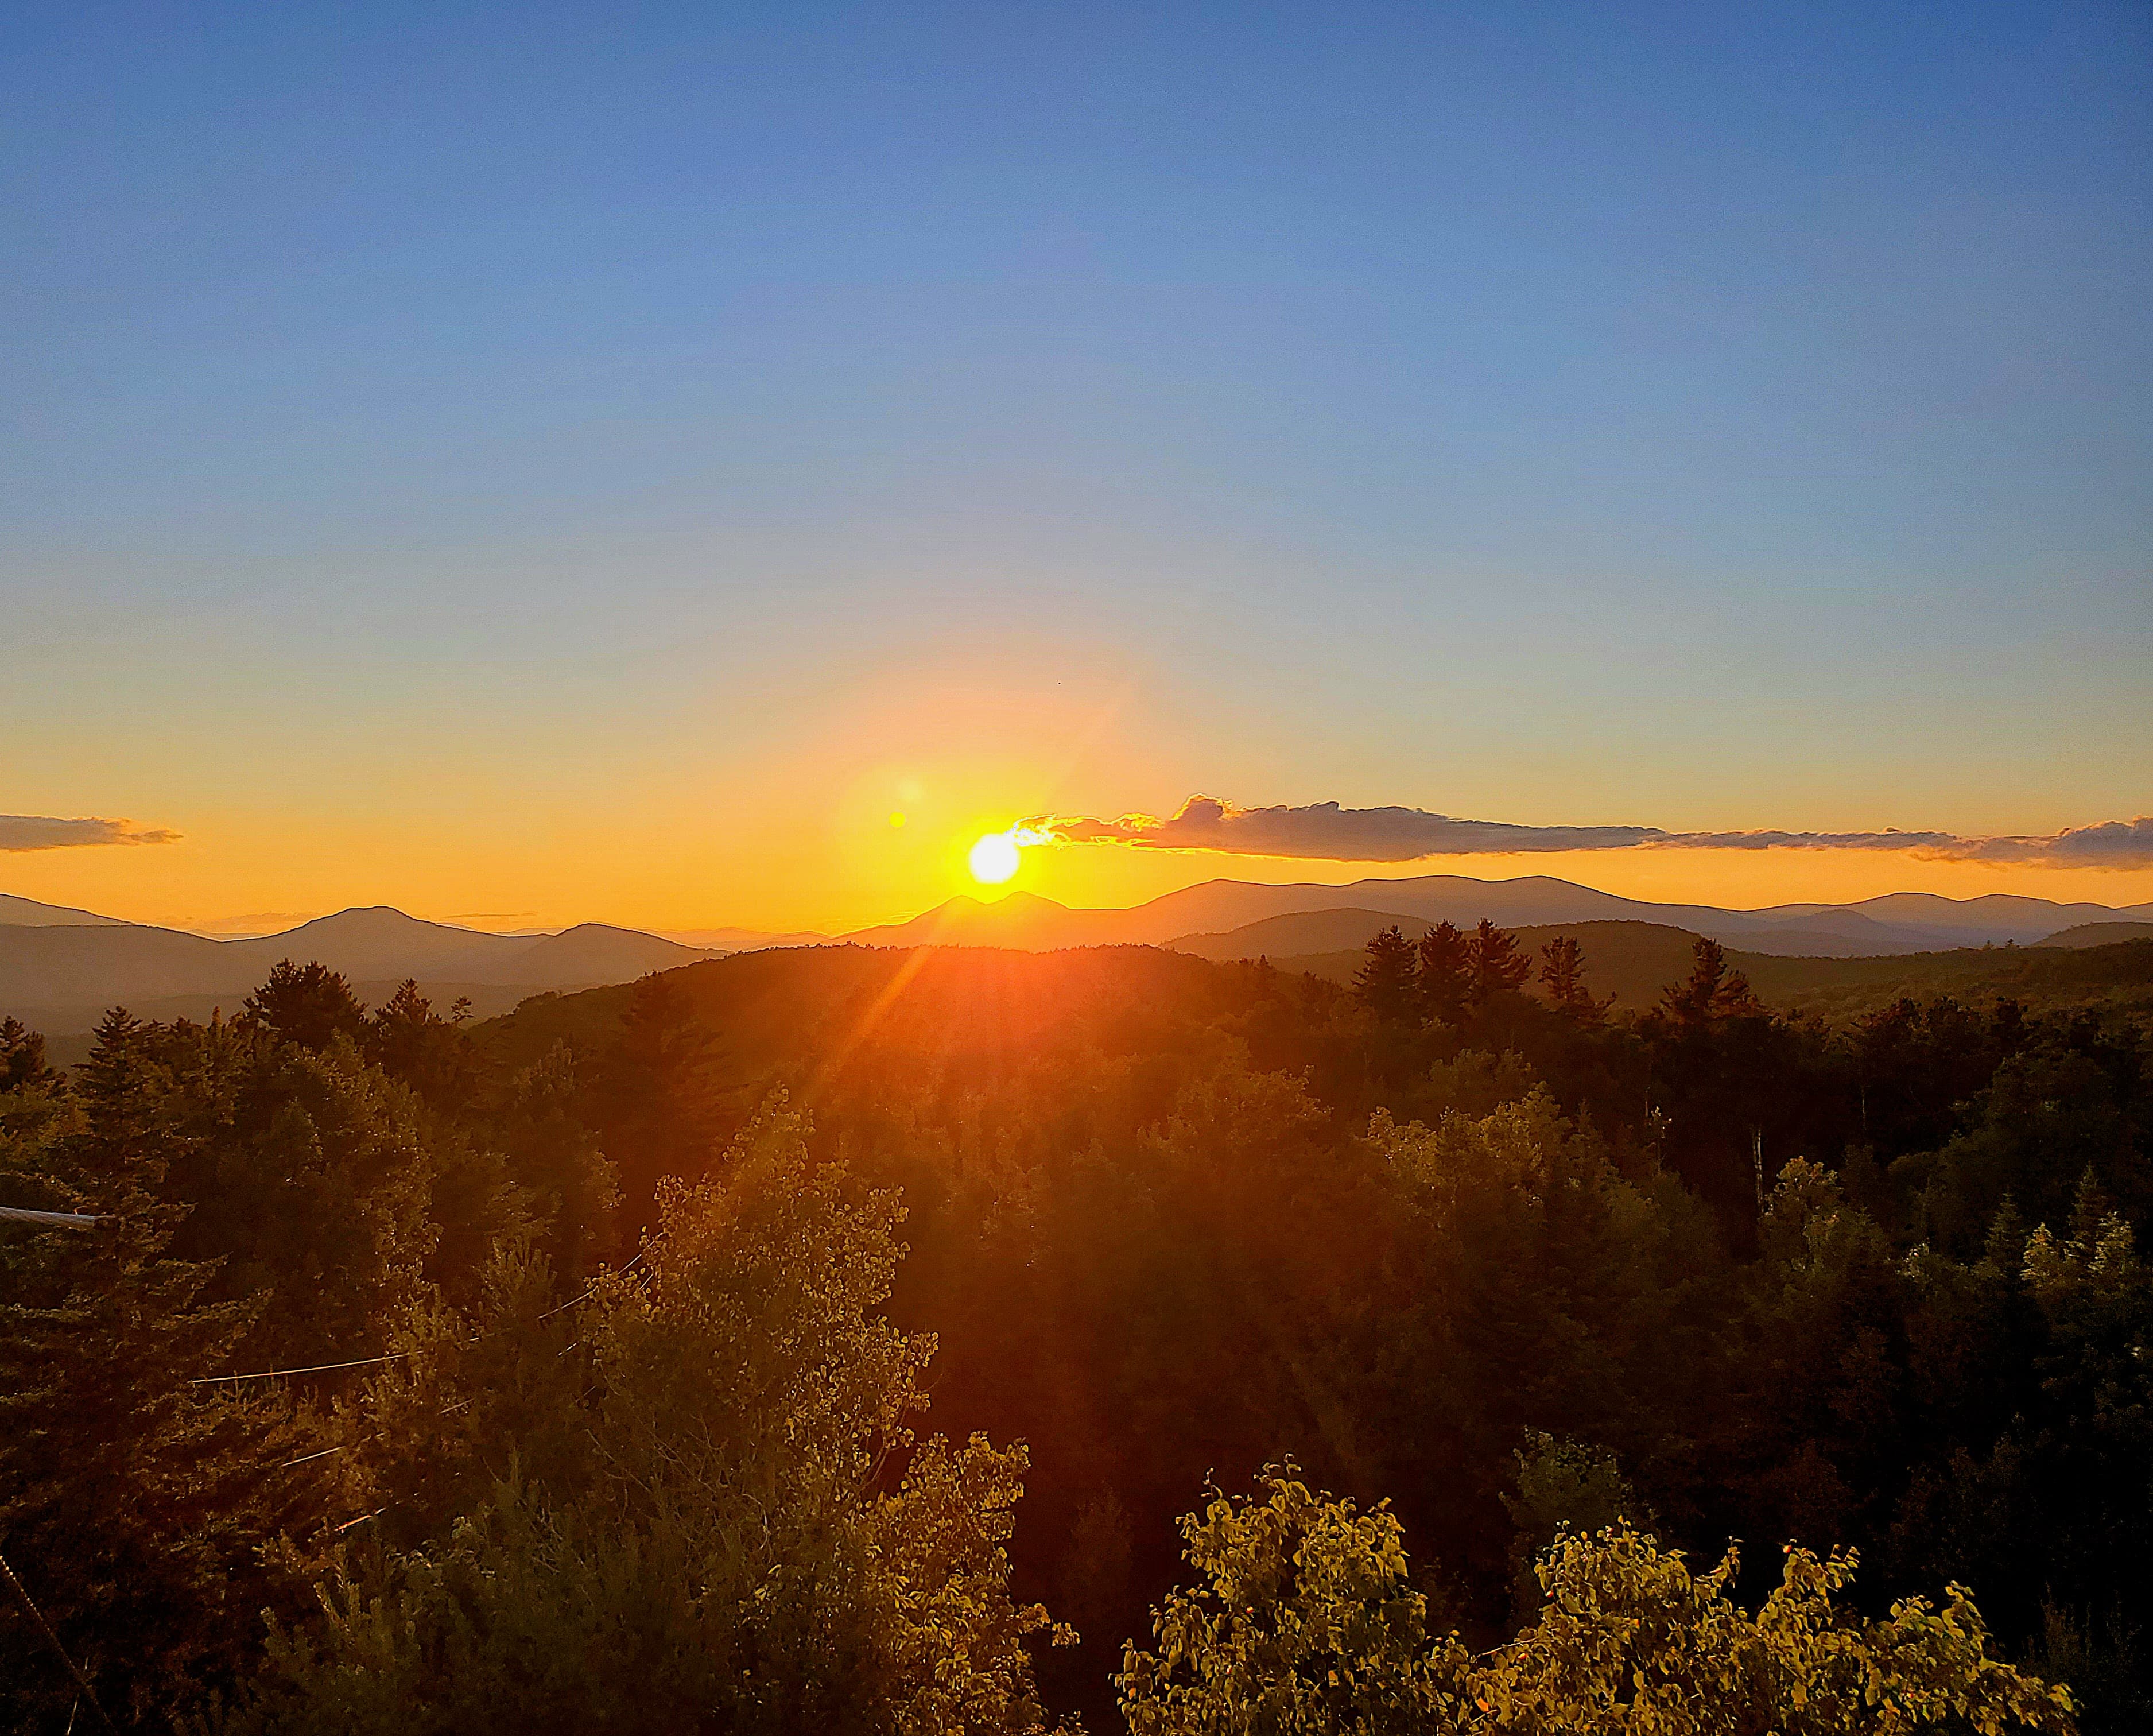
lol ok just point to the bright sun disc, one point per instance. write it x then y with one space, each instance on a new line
995 858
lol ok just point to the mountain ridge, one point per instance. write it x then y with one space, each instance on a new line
1892 923
67 974
18 912
68 966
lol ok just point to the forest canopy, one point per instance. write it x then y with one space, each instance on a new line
934 1339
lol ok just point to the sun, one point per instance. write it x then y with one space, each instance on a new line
995 858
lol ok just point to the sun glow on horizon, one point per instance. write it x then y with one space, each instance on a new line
995 859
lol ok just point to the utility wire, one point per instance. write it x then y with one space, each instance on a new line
394 1355
267 1374
45 1628
51 1221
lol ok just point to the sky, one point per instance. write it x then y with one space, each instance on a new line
536 465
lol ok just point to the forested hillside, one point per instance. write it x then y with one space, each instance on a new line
832 1338
1632 961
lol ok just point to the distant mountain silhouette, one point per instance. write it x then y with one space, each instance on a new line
594 952
53 966
1995 918
29 913
377 941
727 940
1828 934
59 977
60 968
1305 932
1203 916
380 943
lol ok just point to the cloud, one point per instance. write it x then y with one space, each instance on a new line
31 831
1327 831
2113 843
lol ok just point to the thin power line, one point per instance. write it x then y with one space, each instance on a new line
266 1374
397 1356
45 1628
51 1221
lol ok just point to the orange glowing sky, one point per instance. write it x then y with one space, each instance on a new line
850 803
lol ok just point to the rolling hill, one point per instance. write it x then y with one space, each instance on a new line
817 1011
812 1013
2100 934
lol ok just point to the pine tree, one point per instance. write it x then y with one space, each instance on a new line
131 1502
1712 990
1495 963
1388 981
1562 970
1445 972
308 1004
21 1055
416 1047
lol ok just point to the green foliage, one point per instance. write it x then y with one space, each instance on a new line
702 1525
1445 975
2052 1112
1630 1640
314 1180
1543 1290
1564 1484
416 1047
1305 1624
1474 1083
667 1109
1166 1217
